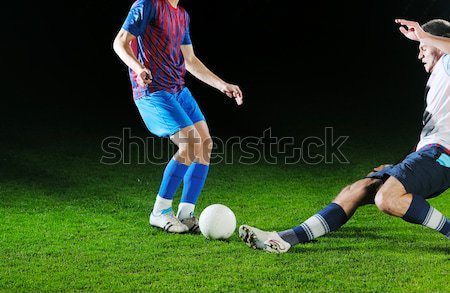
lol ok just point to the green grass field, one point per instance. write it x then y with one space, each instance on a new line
69 223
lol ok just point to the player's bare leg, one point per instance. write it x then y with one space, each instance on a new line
189 145
394 200
360 193
187 140
195 177
327 220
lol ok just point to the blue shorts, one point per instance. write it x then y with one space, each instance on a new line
425 172
165 114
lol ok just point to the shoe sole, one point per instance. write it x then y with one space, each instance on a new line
247 235
195 230
166 230
250 238
173 232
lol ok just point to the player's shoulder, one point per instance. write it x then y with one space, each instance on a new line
137 2
183 10
144 3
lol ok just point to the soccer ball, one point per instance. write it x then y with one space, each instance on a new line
217 222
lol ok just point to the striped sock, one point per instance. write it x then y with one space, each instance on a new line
420 212
327 220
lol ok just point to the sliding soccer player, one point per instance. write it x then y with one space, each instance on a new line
154 42
400 190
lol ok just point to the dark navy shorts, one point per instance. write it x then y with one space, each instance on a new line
425 172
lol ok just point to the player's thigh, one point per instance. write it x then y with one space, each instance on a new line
391 188
162 114
186 137
203 131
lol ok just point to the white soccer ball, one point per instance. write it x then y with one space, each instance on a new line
217 222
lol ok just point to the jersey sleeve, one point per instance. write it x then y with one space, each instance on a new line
446 60
141 13
187 37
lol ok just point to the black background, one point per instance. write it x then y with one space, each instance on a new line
300 65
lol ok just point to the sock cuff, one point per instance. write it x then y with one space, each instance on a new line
172 177
162 206
163 200
176 168
186 204
417 211
198 170
334 211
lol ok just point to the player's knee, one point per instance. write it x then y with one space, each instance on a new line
384 201
360 191
196 148
368 189
188 149
203 153
207 145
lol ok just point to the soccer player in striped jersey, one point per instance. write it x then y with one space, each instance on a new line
154 42
398 190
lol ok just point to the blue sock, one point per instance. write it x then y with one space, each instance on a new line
173 175
420 212
193 182
327 220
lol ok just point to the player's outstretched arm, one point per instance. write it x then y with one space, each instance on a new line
200 71
414 31
122 48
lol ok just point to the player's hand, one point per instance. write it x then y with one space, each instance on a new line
233 92
379 168
414 32
144 77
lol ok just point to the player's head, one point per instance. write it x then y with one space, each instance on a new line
430 55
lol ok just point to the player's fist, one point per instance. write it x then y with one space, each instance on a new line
234 92
144 77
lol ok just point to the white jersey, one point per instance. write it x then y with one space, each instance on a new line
436 118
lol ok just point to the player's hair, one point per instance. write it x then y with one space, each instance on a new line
437 27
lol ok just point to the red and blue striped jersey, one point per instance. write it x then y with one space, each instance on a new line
160 29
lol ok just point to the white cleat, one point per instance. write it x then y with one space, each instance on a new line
192 224
168 222
258 239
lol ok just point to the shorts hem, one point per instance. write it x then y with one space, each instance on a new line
198 120
175 130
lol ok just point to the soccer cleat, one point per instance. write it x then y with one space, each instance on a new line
192 224
258 239
168 222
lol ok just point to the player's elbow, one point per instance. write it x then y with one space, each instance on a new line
117 43
188 66
189 63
